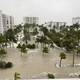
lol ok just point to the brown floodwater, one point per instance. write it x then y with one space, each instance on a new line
34 62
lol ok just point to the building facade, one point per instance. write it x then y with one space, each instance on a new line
76 20
6 22
55 25
31 20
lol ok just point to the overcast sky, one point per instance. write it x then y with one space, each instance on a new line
47 10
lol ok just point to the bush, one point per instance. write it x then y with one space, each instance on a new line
31 46
45 50
19 46
51 76
9 65
79 75
4 65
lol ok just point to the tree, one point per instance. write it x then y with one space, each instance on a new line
53 36
51 76
18 29
31 46
19 46
45 50
3 40
69 41
44 30
26 32
76 27
10 36
35 31
62 56
78 51
26 35
22 48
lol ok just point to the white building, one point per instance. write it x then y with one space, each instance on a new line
55 25
6 22
76 20
31 20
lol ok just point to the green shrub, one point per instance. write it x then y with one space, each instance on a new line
9 65
79 75
2 64
31 46
51 76
19 46
5 65
45 50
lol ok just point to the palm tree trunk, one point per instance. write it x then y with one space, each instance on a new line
41 45
37 45
77 54
10 44
60 62
73 59
1 59
6 45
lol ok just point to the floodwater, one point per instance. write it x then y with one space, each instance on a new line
34 62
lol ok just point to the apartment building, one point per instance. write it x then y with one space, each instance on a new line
55 25
31 20
76 20
6 22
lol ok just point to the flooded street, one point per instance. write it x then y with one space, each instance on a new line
34 62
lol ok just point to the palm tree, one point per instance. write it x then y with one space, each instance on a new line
27 27
70 41
26 35
22 48
44 30
76 27
45 50
78 51
19 46
3 41
17 30
62 56
26 32
10 36
35 31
